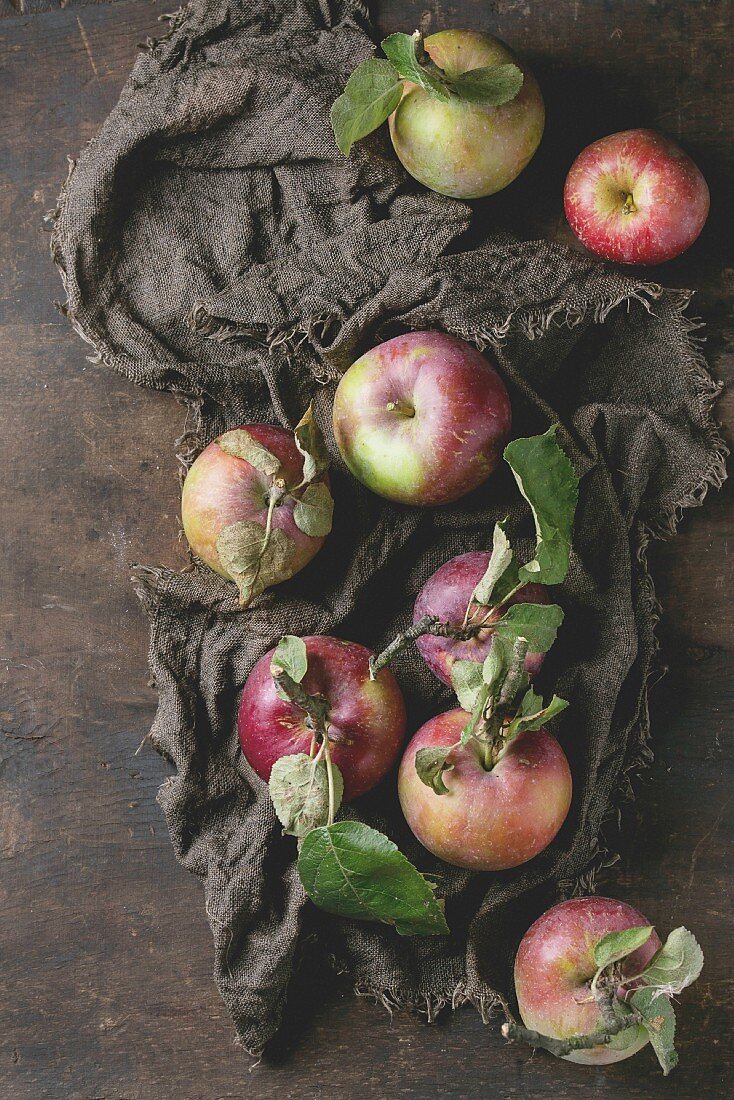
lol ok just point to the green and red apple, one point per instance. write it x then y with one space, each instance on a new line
460 148
421 419
490 817
554 968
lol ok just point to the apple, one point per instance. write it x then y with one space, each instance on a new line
222 489
366 718
489 820
421 419
636 197
462 149
446 595
554 967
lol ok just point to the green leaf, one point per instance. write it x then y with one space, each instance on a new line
314 510
476 716
290 655
402 50
677 964
533 720
498 562
658 1018
253 559
548 482
466 680
310 442
299 788
491 86
357 872
618 945
497 663
538 623
372 93
241 444
430 765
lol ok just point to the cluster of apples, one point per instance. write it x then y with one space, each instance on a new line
422 420
466 116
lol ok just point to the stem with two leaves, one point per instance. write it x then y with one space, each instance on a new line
317 709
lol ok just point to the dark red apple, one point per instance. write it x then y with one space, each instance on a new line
554 967
489 820
366 718
636 197
446 595
221 490
422 418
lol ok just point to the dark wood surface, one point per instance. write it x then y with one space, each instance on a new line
105 986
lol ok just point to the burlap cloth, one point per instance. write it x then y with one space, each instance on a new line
213 242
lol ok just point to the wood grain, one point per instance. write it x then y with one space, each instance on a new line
105 987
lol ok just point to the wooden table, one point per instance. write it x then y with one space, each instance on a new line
105 979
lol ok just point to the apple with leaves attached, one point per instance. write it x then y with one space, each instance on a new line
485 803
465 115
594 983
422 418
480 597
256 504
359 722
455 595
636 197
320 729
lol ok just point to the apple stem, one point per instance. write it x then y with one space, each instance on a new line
330 778
429 624
629 203
515 673
315 706
561 1047
401 407
275 494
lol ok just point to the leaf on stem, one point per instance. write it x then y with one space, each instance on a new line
467 682
314 510
254 558
372 93
547 480
498 563
677 964
492 85
290 656
530 718
401 50
618 945
538 623
355 871
299 788
476 716
430 764
310 442
241 444
658 1019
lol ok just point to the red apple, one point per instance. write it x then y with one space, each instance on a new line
462 149
221 490
366 720
422 418
488 820
446 595
554 967
636 197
